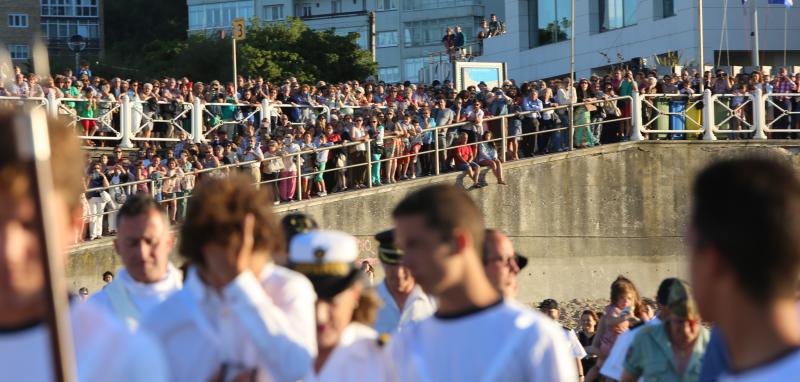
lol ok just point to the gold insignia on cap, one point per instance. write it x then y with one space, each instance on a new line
319 253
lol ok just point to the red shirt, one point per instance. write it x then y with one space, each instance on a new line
463 154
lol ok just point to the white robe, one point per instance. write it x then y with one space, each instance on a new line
294 295
201 330
104 350
358 357
390 318
130 300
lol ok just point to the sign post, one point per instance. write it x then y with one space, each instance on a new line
239 32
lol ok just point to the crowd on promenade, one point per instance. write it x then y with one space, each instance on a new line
258 299
399 124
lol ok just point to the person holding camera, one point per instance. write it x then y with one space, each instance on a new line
781 85
97 199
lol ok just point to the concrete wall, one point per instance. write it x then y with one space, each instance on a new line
581 217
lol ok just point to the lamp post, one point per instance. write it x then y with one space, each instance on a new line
77 44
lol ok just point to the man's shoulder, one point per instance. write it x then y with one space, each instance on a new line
286 281
171 312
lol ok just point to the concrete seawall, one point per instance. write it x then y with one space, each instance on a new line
581 217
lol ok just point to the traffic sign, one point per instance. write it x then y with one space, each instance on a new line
238 29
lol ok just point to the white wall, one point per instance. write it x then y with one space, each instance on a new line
647 38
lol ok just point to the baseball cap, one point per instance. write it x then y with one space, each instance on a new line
327 258
680 301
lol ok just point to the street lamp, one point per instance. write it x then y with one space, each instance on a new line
77 44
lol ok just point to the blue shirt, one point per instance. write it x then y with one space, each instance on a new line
529 104
715 361
427 136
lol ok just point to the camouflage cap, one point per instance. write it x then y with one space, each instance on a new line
681 302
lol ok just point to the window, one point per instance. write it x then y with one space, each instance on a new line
663 8
386 5
390 74
219 15
305 11
410 5
362 34
336 6
273 12
430 32
615 14
550 21
411 68
387 39
66 28
80 8
19 52
18 20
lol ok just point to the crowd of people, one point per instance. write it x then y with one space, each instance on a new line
260 299
395 123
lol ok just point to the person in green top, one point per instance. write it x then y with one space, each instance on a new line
86 113
673 349
69 91
626 88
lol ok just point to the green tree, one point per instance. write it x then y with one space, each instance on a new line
290 49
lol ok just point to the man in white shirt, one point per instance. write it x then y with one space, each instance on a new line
222 324
143 243
744 261
104 349
550 308
614 364
403 300
441 232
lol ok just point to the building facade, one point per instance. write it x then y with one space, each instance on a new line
408 32
663 32
54 20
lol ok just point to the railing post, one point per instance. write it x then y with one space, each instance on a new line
636 116
299 175
197 121
503 137
759 114
52 105
708 116
265 112
571 131
125 122
437 159
369 163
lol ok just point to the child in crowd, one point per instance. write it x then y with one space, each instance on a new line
625 308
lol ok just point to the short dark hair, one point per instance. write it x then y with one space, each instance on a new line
138 204
445 208
216 214
108 273
548 304
663 290
748 209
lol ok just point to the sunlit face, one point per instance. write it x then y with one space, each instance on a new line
333 316
500 264
625 301
143 243
683 332
398 278
588 323
425 254
21 272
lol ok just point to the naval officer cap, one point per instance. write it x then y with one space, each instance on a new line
388 252
327 258
295 223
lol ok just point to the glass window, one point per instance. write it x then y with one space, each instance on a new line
615 14
551 18
430 32
273 12
390 74
196 17
19 51
386 5
387 39
336 6
18 20
411 68
664 8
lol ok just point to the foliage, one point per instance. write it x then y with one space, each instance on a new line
154 47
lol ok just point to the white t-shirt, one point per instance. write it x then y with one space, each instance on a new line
786 368
575 345
418 306
503 342
104 350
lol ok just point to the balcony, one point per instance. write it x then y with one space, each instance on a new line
333 15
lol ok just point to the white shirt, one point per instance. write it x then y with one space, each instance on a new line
786 368
504 342
357 357
614 364
104 349
130 300
575 346
201 330
294 295
418 306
